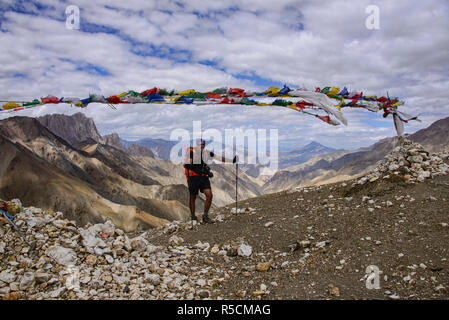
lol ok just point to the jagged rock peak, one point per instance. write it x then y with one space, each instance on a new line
113 139
74 129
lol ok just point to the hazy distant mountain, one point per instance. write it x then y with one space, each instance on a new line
138 150
287 159
301 155
160 147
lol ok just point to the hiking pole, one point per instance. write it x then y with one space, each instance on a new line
236 184
32 245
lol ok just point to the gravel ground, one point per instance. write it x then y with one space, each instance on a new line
400 228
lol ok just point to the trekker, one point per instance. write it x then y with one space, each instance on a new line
198 173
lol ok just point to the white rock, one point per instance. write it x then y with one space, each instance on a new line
5 290
393 167
108 227
14 286
85 280
304 243
153 278
57 293
61 255
139 243
215 249
37 222
7 277
175 240
201 282
60 223
244 250
109 259
440 288
423 175
41 277
90 239
98 251
268 224
321 244
27 281
417 159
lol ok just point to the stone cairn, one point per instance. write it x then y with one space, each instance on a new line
411 161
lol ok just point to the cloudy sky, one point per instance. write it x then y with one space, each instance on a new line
123 45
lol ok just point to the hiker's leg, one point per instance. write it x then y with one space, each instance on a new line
192 204
208 202
193 183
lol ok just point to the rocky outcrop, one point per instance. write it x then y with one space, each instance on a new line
113 139
74 129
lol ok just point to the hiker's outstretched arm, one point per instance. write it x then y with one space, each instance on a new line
221 158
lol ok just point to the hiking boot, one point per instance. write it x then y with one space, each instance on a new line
193 217
206 219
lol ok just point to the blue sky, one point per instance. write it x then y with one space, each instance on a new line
208 44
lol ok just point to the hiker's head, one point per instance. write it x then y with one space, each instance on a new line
201 143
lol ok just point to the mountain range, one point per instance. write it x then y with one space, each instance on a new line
63 163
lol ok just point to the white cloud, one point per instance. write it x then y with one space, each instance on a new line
311 43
